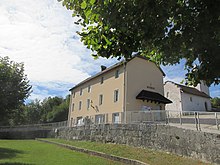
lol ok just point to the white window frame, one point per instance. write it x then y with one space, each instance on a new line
117 73
89 88
102 80
116 95
116 118
73 107
100 99
80 105
88 104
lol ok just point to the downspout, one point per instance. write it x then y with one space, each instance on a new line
70 110
125 92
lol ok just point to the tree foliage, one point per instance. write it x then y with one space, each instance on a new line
51 109
164 30
215 102
14 88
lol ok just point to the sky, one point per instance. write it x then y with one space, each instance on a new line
42 35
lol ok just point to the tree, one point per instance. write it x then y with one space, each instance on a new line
32 112
14 88
164 30
215 102
51 109
60 112
48 105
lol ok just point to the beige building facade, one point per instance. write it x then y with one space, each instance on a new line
135 85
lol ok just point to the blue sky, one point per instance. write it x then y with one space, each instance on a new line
42 34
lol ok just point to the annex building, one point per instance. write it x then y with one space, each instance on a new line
185 98
135 85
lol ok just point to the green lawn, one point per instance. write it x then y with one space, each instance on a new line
30 152
146 155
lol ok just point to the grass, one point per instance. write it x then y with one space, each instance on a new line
30 152
145 155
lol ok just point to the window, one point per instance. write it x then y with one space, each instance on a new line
206 106
116 94
100 99
89 88
190 99
80 105
71 122
73 94
115 118
116 73
102 80
81 91
167 94
73 107
99 119
88 104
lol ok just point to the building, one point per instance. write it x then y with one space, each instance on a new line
108 96
186 98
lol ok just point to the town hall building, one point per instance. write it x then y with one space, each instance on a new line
134 85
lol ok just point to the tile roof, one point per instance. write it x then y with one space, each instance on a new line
152 96
191 90
112 67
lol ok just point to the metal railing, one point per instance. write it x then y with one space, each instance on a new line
191 119
44 126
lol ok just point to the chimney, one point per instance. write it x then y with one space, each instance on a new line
103 67
203 87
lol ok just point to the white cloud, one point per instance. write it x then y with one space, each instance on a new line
174 79
41 33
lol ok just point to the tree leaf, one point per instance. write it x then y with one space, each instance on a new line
83 5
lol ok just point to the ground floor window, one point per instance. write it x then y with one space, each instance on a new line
80 121
99 119
115 118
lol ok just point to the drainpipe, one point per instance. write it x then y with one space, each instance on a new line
70 110
125 91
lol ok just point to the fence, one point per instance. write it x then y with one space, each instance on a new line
45 126
192 119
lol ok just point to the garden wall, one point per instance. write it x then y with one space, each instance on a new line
25 134
200 145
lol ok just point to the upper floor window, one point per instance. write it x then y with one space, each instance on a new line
73 107
81 91
80 105
100 99
102 80
88 104
89 89
116 95
116 73
190 99
73 94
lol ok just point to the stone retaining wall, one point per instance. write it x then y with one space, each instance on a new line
26 134
200 145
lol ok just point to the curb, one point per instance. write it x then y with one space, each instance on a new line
95 153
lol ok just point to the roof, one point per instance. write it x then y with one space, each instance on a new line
191 90
152 96
111 68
